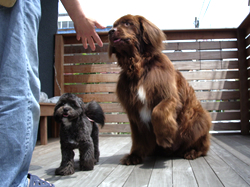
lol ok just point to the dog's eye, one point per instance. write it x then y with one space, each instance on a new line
127 24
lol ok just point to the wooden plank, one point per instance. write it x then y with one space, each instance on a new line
214 85
141 174
90 78
59 68
204 175
101 172
237 145
98 97
221 105
226 126
204 45
71 38
180 65
111 107
109 118
202 55
240 166
217 116
78 48
116 107
226 162
224 172
43 130
84 88
47 109
162 173
109 160
183 174
90 68
205 65
88 59
118 177
200 34
218 95
115 128
210 75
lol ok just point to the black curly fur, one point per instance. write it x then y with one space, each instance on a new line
77 131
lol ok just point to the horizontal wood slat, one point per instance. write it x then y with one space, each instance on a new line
208 55
89 68
117 108
226 126
111 97
223 95
219 85
210 45
210 75
216 116
82 88
200 45
180 65
90 78
201 75
94 58
126 127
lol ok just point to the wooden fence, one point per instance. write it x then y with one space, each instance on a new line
214 61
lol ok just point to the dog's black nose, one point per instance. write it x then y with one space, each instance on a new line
65 110
112 31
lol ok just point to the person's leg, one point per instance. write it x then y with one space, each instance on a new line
19 90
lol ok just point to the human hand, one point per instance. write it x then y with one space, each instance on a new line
85 30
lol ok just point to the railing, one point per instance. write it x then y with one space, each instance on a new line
212 60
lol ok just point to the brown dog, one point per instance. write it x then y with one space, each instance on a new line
164 113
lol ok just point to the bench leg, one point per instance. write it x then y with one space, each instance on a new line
43 130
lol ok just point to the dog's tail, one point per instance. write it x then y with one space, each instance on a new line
94 111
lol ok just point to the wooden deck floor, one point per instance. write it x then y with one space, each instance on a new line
227 164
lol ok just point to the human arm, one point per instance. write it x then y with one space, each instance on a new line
84 26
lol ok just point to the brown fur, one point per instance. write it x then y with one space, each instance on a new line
178 124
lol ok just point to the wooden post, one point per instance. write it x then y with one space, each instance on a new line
43 130
59 66
241 34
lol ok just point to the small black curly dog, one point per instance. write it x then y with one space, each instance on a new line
79 129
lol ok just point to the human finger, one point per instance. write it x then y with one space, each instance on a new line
98 39
99 26
84 43
91 43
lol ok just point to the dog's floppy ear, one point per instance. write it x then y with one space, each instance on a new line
151 34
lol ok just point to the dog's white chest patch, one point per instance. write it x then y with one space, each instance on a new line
66 122
142 95
145 112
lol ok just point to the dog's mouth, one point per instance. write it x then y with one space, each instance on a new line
120 40
65 115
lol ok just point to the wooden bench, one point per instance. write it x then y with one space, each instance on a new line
46 109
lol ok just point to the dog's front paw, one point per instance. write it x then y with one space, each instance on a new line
131 159
193 154
87 165
165 142
65 170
